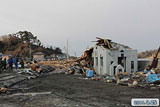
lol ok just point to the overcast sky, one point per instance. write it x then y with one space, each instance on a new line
135 23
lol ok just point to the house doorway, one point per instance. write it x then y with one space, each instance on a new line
114 70
122 61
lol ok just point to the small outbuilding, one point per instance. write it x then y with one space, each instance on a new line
39 56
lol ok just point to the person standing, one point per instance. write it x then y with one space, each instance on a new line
1 65
22 63
10 62
16 63
4 64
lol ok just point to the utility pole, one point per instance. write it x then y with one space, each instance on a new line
75 54
30 50
67 52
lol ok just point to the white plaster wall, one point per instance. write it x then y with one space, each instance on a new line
99 52
95 54
112 55
131 56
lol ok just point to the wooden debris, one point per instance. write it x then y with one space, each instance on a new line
3 90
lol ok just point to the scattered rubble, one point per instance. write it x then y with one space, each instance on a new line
84 64
9 79
84 67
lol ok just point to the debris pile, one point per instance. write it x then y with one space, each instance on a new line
106 43
76 67
110 79
140 79
86 59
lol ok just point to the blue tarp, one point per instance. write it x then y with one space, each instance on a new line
158 75
90 73
152 78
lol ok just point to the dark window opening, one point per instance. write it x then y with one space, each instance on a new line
132 64
101 59
120 70
96 61
122 51
111 62
114 70
121 61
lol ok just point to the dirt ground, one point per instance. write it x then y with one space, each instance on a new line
59 90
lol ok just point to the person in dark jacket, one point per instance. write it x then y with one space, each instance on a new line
22 63
4 64
1 65
10 62
16 63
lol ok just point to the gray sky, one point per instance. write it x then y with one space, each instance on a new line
135 23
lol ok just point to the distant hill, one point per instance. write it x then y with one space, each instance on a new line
19 44
148 54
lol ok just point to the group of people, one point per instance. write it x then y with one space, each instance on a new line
8 64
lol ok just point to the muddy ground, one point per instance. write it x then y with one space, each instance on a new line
59 90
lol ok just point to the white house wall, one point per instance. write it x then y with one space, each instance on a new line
99 52
112 55
131 56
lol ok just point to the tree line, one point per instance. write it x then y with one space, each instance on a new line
20 42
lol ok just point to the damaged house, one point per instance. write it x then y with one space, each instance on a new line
112 58
39 56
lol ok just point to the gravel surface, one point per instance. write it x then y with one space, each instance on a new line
59 90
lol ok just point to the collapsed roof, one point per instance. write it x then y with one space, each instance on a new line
108 44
